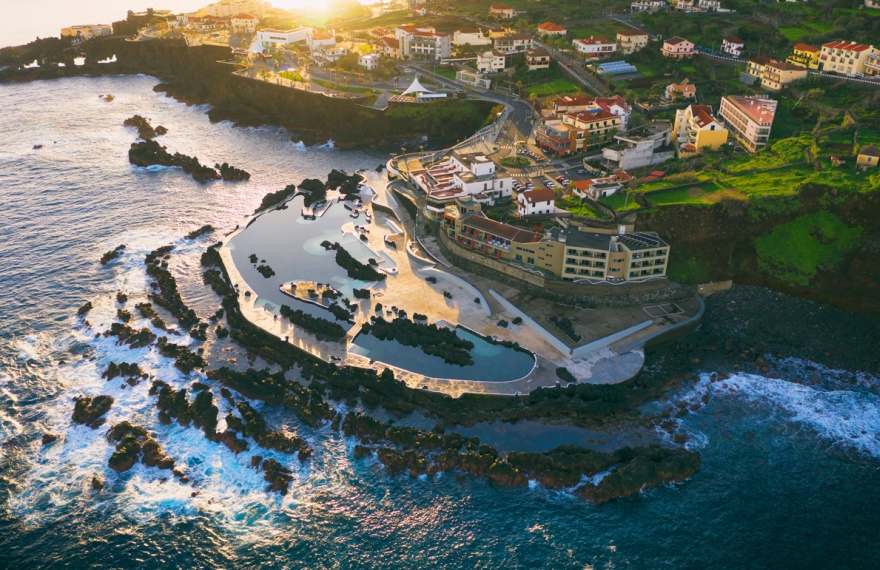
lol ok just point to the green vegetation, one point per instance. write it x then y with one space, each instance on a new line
292 76
558 86
431 339
345 88
577 207
515 161
606 28
686 269
620 202
698 195
447 72
795 252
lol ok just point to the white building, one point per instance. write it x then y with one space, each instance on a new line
536 202
647 6
463 174
492 61
369 61
245 23
270 38
514 43
87 31
644 146
595 46
473 79
470 36
317 40
733 45
422 42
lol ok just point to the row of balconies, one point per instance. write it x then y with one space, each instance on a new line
584 263
585 253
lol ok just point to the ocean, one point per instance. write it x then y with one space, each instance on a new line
790 469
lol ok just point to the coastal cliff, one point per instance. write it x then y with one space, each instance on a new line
822 244
203 74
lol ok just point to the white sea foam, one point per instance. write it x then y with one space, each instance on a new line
849 420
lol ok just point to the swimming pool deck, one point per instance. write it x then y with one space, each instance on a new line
409 291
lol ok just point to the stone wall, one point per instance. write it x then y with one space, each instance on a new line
557 290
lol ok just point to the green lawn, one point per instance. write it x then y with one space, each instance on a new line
558 86
608 30
447 72
292 75
347 89
573 204
620 202
693 195
775 183
795 252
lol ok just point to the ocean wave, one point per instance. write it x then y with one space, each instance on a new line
848 419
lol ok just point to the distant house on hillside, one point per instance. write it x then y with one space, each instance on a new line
502 11
595 46
631 40
733 46
677 48
551 29
470 36
869 157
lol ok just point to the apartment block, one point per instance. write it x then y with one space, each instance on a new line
631 41
750 119
514 43
577 132
492 61
845 57
696 129
778 74
643 146
805 56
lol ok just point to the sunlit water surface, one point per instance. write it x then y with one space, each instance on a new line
789 476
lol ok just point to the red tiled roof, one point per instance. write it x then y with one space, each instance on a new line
245 17
500 7
631 33
390 42
752 108
846 46
760 60
481 222
539 195
616 100
785 66
574 101
588 117
322 37
734 40
470 31
675 40
805 47
550 27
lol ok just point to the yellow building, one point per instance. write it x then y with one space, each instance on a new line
845 57
778 74
570 254
696 129
869 157
804 55
756 65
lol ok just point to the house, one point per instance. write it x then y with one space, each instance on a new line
695 129
534 202
420 11
495 33
537 58
463 174
369 61
778 74
615 105
86 32
595 47
678 91
696 6
750 119
389 47
324 54
571 254
869 157
733 46
502 11
649 6
470 36
756 65
317 40
602 187
805 56
872 4
422 42
677 48
577 132
844 57
269 38
473 79
631 41
643 146
492 61
550 29
514 43
245 23
872 64
199 24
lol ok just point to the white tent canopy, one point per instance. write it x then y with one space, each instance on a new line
256 47
416 87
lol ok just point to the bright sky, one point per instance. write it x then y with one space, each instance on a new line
24 20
